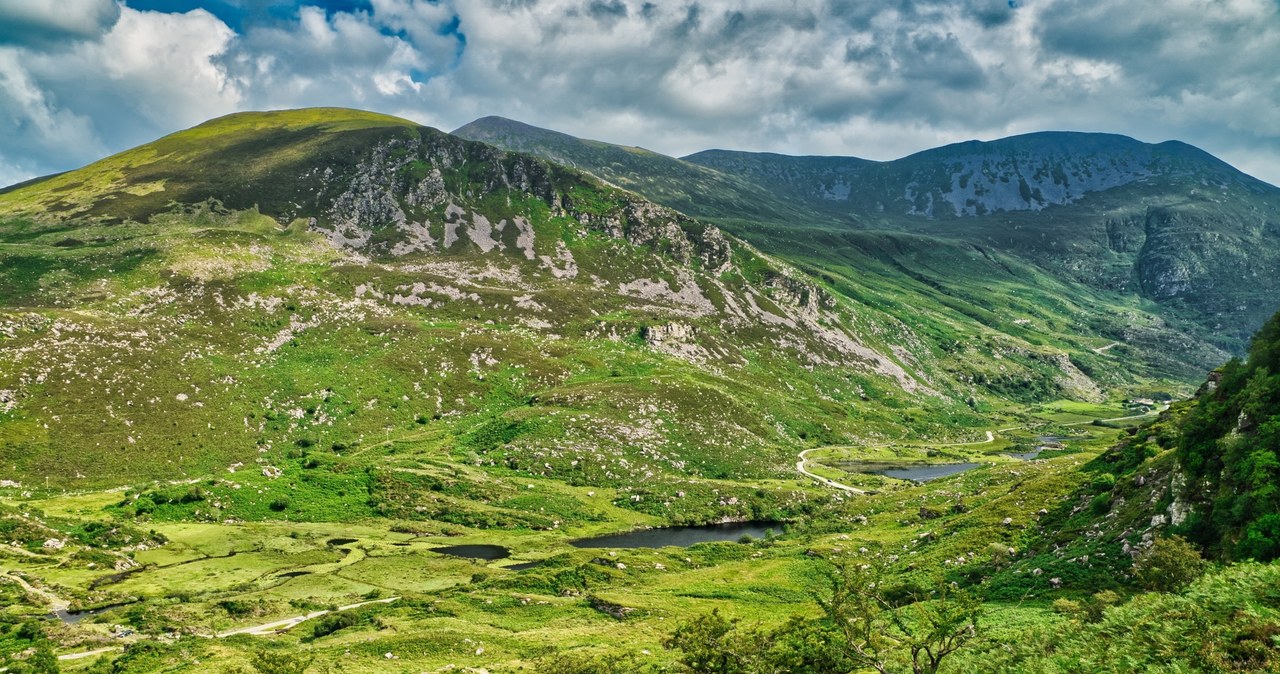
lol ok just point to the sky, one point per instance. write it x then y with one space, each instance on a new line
81 79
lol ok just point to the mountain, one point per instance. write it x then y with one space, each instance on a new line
355 393
682 185
1021 173
316 276
269 253
1167 225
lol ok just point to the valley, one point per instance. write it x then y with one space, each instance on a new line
326 390
240 580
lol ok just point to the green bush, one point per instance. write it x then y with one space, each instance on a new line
1169 564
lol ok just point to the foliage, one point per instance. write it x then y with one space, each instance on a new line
1168 565
882 624
281 662
579 663
1227 621
1230 449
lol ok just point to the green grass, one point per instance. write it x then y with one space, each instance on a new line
207 395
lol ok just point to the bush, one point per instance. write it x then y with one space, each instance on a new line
1168 565
280 662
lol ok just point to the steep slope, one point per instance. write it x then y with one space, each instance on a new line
1230 452
1206 470
1169 304
684 186
1021 173
1166 227
1168 222
364 277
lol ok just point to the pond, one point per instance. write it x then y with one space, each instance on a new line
1043 442
905 471
478 551
73 617
679 536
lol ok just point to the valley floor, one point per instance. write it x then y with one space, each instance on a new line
364 593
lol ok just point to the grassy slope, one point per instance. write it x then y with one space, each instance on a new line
212 345
1192 248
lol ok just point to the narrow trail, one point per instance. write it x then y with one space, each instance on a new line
804 461
55 602
800 466
264 629
287 623
1103 349
1144 415
89 654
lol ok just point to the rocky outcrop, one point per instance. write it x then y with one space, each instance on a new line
425 193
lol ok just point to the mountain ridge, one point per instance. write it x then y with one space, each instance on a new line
1166 222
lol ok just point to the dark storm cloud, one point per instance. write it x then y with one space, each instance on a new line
864 77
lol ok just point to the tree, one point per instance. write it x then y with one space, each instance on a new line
920 625
42 661
1168 565
713 644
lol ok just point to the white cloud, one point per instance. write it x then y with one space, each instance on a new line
871 79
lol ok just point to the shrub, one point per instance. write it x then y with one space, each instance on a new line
1169 564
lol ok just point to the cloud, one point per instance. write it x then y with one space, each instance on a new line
363 58
150 71
831 76
45 24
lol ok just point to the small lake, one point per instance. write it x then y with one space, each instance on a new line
487 552
1043 442
679 536
899 471
73 617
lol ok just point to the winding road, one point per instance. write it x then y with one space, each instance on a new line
59 604
800 466
803 457
803 460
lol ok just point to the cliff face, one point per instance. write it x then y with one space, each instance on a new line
1021 173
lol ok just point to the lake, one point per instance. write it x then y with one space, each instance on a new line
679 536
475 551
923 472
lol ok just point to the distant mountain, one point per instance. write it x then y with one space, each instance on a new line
1165 223
381 274
1029 172
684 186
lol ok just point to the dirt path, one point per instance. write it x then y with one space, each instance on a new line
1103 349
800 466
89 654
254 630
55 602
287 623
804 461
1144 415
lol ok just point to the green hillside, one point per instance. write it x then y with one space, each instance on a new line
682 185
260 379
1166 226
